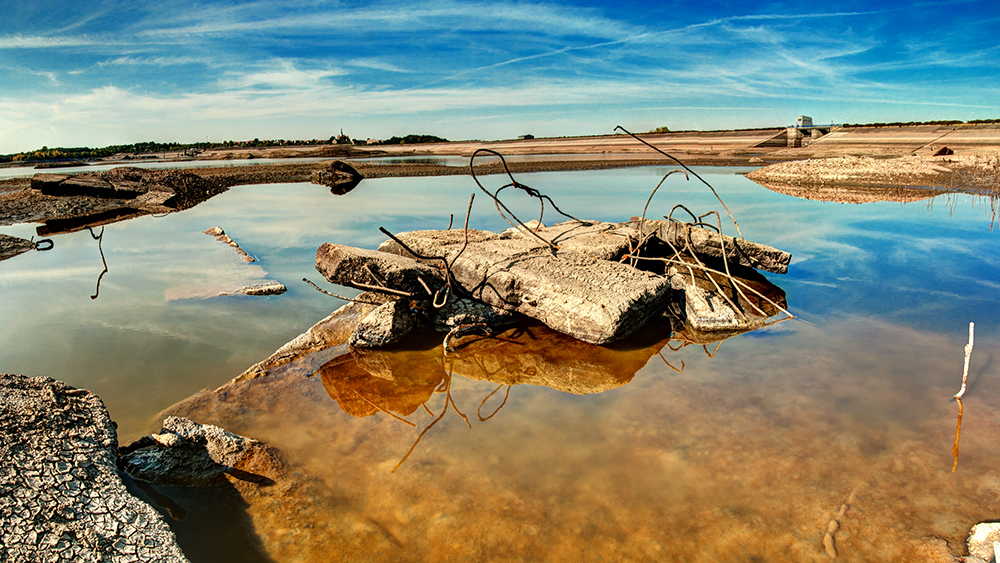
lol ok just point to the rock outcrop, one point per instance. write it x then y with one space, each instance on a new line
61 498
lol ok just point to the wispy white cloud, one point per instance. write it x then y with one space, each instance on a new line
279 73
17 41
389 17
376 64
155 61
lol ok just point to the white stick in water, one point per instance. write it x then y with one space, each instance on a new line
968 352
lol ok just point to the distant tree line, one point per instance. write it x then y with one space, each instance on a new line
87 153
412 140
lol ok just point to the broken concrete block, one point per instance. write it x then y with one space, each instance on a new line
594 300
710 243
386 324
361 268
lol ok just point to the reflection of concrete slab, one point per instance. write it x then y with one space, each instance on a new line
540 356
365 382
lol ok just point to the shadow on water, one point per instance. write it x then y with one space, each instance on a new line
189 511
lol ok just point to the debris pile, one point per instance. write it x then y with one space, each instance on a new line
586 289
594 281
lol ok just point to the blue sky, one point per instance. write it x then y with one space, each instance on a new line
93 73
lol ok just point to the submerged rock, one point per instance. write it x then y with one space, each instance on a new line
222 237
269 288
716 304
61 498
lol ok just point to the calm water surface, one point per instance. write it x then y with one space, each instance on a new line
652 454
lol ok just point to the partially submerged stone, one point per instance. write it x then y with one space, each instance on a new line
716 304
61 498
222 237
458 311
339 176
191 454
324 340
267 288
391 321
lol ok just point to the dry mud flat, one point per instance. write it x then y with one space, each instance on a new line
60 496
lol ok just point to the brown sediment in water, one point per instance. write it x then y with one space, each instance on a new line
749 454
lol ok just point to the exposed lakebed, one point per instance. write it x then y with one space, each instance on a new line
749 453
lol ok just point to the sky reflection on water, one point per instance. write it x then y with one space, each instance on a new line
749 452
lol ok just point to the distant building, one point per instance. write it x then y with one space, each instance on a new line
525 137
803 121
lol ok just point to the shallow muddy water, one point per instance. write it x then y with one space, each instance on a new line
643 451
